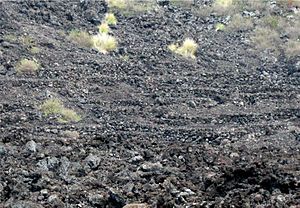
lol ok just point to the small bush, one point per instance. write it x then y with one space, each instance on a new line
239 23
292 49
27 66
103 28
82 38
104 42
56 108
188 48
110 19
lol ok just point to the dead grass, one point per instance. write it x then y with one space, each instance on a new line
54 107
239 23
129 7
82 38
104 42
188 48
266 38
292 49
27 66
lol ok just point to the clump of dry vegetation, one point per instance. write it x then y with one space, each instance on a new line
27 66
103 28
188 48
265 38
82 38
104 42
292 48
131 6
239 23
110 19
54 107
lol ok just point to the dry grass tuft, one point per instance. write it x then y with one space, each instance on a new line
266 38
104 42
292 49
82 38
103 28
188 48
110 19
239 23
27 66
56 108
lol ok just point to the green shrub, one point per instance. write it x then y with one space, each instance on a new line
27 66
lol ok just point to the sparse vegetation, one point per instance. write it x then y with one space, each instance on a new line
266 38
27 66
130 6
104 42
110 19
54 107
292 49
34 50
119 4
27 41
10 38
239 23
82 38
222 7
187 49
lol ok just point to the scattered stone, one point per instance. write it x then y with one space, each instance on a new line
55 201
30 146
93 161
3 150
97 199
70 134
136 159
150 167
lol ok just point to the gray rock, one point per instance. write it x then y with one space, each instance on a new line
136 159
93 161
48 164
3 150
150 167
97 199
55 201
30 146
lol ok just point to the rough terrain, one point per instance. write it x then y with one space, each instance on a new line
222 130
